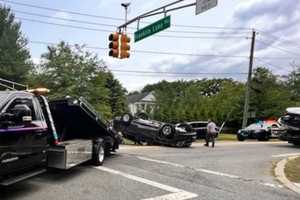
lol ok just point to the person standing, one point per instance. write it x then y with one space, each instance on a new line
211 133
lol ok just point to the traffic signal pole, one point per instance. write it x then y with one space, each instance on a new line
157 11
248 86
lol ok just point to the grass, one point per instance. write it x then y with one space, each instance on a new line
127 142
227 137
292 170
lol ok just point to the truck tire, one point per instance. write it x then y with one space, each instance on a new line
167 131
127 118
98 153
240 138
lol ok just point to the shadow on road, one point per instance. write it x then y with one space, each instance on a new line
52 176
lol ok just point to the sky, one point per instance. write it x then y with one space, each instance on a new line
197 44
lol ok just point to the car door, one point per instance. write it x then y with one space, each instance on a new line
22 145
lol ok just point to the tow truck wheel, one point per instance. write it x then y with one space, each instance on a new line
98 154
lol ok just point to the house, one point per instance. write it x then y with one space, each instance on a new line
141 102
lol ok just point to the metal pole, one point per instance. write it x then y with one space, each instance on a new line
147 13
126 5
248 88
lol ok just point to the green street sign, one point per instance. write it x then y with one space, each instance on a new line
153 28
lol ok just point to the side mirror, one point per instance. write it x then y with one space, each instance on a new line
22 113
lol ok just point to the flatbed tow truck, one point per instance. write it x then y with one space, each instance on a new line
37 134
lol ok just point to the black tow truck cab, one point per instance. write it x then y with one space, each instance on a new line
36 134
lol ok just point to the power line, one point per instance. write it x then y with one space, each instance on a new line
117 19
151 52
280 39
110 31
172 53
60 10
65 25
179 73
115 26
278 48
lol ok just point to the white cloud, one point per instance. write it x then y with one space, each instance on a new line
271 16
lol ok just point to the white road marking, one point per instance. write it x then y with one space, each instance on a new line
182 166
218 173
286 155
176 193
205 171
161 162
297 184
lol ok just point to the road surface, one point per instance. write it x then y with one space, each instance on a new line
232 170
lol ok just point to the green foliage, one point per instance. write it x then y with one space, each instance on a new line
74 72
269 96
15 61
198 100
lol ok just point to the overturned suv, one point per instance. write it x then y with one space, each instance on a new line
144 131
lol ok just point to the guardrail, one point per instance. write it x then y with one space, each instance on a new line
11 85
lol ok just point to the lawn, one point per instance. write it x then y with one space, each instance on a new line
292 170
227 137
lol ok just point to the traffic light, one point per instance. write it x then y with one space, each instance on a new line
114 45
125 46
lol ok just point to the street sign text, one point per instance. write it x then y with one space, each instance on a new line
153 28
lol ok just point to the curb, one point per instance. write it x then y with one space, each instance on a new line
280 175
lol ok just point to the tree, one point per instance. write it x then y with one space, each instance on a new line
68 71
117 99
293 84
15 61
269 96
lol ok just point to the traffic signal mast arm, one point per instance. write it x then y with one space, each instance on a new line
157 11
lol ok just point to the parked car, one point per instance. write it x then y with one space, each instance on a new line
291 122
261 131
154 132
197 126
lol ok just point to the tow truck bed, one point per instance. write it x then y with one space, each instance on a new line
76 119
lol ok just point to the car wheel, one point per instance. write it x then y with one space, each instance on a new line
240 138
264 137
143 142
127 118
167 131
296 143
187 145
98 154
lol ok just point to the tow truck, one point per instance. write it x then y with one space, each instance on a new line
37 134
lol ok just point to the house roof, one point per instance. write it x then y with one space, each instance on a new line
137 97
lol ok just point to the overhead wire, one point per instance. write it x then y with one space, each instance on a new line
115 26
110 31
115 18
269 45
292 43
171 53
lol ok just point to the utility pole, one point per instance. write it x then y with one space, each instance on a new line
248 88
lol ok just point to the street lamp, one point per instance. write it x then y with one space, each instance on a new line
125 5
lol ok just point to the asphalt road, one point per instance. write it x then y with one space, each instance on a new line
232 170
